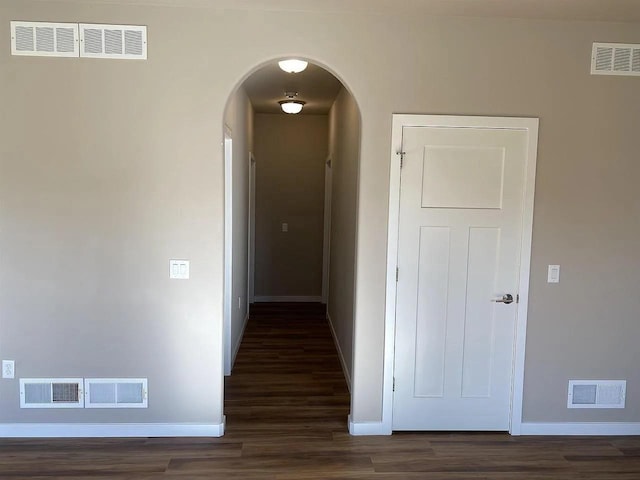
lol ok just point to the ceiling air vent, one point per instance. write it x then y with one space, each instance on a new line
615 59
116 392
51 393
44 39
113 41
597 394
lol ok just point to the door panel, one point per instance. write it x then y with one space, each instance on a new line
462 177
479 319
431 320
461 208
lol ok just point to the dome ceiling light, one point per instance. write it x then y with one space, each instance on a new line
293 65
291 105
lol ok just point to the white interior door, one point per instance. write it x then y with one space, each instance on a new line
459 247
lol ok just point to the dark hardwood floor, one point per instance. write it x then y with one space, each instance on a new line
286 406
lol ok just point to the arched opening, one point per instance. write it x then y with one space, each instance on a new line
290 216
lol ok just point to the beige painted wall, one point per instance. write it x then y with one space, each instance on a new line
239 121
290 154
344 150
110 168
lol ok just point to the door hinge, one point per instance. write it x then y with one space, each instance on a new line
397 273
401 154
394 384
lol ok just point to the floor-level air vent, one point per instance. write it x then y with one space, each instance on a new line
51 393
44 39
597 394
615 59
113 41
116 392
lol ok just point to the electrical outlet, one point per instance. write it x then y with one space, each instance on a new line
8 369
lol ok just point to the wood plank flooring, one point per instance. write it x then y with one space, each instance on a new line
286 407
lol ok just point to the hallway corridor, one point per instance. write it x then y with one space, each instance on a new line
287 378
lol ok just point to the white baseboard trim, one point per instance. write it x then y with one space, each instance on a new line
586 428
368 428
345 371
234 354
101 430
267 299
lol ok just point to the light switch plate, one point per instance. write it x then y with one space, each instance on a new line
285 227
8 369
553 275
179 269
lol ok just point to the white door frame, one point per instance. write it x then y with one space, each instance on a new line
530 125
326 244
251 279
228 246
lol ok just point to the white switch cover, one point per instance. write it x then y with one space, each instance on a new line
179 269
554 274
285 227
8 369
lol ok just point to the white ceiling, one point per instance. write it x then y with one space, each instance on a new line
598 10
315 86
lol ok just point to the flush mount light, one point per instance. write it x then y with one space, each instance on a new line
293 65
291 106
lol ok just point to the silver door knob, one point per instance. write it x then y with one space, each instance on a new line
508 298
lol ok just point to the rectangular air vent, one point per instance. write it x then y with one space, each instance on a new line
51 393
116 392
597 394
44 39
615 59
113 41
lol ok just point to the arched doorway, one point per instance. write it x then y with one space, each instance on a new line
291 200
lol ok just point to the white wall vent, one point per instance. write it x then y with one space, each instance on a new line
51 393
116 392
615 59
597 394
113 41
44 39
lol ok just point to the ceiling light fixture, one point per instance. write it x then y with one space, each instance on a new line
291 105
293 65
